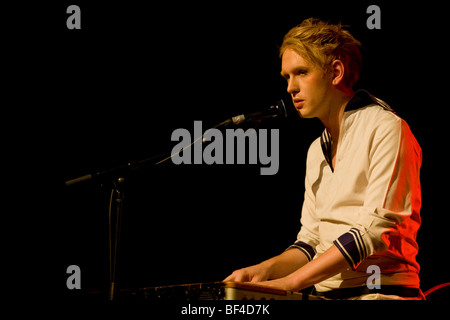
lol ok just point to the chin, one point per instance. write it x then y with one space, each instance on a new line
305 114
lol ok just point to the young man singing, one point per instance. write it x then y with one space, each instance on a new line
362 189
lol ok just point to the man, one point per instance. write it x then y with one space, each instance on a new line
362 188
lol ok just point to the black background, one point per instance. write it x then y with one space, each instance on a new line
115 90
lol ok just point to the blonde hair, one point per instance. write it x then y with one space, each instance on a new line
321 43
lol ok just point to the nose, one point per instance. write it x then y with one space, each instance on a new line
293 87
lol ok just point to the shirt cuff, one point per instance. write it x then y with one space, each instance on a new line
305 248
352 247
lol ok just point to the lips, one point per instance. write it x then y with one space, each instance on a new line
298 103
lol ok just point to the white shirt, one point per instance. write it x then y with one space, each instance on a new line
369 205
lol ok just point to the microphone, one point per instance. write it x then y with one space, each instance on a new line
281 108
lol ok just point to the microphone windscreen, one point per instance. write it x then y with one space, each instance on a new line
286 108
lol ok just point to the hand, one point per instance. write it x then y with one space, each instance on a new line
254 273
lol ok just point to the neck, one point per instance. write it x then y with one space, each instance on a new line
332 120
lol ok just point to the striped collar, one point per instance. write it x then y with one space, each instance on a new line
360 99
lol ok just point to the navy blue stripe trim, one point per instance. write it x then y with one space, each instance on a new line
344 253
325 142
360 242
356 245
352 246
305 248
362 98
348 244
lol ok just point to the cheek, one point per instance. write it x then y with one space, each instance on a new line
309 85
314 80
316 84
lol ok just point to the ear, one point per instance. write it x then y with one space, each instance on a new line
338 71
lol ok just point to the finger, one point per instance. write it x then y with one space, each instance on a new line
235 276
239 278
258 278
229 278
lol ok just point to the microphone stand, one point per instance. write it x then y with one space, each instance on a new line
117 176
117 198
115 211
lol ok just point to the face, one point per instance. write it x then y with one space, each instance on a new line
308 85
